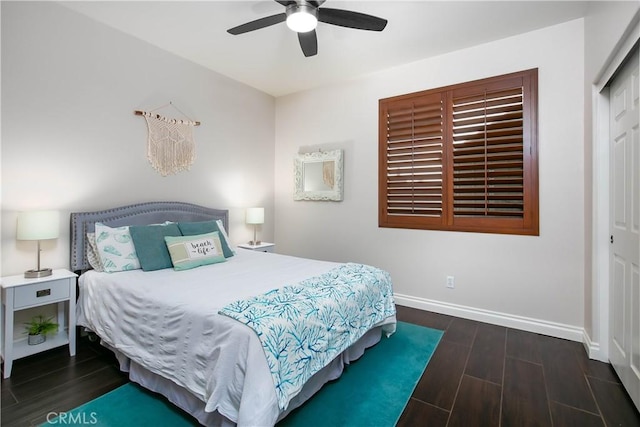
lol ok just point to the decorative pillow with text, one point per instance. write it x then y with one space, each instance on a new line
202 227
193 251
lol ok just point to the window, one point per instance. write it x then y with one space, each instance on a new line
462 157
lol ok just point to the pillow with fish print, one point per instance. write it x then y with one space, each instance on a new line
115 248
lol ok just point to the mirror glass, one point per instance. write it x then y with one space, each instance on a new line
318 176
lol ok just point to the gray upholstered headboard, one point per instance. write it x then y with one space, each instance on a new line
139 214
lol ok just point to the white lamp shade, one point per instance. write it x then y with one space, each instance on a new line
255 216
38 225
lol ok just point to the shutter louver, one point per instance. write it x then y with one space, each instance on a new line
414 166
487 137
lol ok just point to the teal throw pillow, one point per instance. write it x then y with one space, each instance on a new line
150 245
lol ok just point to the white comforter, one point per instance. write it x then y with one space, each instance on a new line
167 321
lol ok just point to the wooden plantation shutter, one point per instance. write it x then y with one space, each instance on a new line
462 157
413 154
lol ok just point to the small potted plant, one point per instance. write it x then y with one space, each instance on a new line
38 329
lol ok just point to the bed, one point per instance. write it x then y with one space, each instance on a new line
216 339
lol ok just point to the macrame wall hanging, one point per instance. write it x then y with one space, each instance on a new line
170 145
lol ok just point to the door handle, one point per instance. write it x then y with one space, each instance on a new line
612 238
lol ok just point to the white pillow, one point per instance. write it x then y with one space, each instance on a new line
115 248
223 234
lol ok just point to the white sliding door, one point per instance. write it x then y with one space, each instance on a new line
624 345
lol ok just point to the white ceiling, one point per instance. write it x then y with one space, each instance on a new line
270 59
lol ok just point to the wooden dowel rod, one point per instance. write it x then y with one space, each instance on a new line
141 113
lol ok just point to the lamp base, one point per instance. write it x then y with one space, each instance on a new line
33 274
254 243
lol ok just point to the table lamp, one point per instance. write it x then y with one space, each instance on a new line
255 216
38 225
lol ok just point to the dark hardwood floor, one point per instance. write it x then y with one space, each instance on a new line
54 382
487 375
480 375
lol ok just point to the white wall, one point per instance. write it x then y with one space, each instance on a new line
70 140
541 278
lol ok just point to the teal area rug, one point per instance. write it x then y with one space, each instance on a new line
127 406
372 391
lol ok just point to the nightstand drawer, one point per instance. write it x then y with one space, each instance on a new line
41 293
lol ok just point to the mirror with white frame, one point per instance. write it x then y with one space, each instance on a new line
318 176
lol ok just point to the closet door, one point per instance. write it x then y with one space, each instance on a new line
624 348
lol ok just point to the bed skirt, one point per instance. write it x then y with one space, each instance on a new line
185 400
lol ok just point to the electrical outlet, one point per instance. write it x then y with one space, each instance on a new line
450 282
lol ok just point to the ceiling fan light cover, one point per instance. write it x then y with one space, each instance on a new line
302 19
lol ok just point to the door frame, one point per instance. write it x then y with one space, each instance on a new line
598 344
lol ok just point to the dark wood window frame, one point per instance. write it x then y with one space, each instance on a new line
462 157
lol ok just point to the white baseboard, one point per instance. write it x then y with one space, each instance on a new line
558 330
594 350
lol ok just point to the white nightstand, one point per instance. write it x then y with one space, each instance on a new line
260 247
19 293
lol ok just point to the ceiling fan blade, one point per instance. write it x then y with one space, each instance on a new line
350 19
317 3
308 43
258 24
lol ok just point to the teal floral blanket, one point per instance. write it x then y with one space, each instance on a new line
304 326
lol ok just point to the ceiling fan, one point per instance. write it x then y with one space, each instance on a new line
303 16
